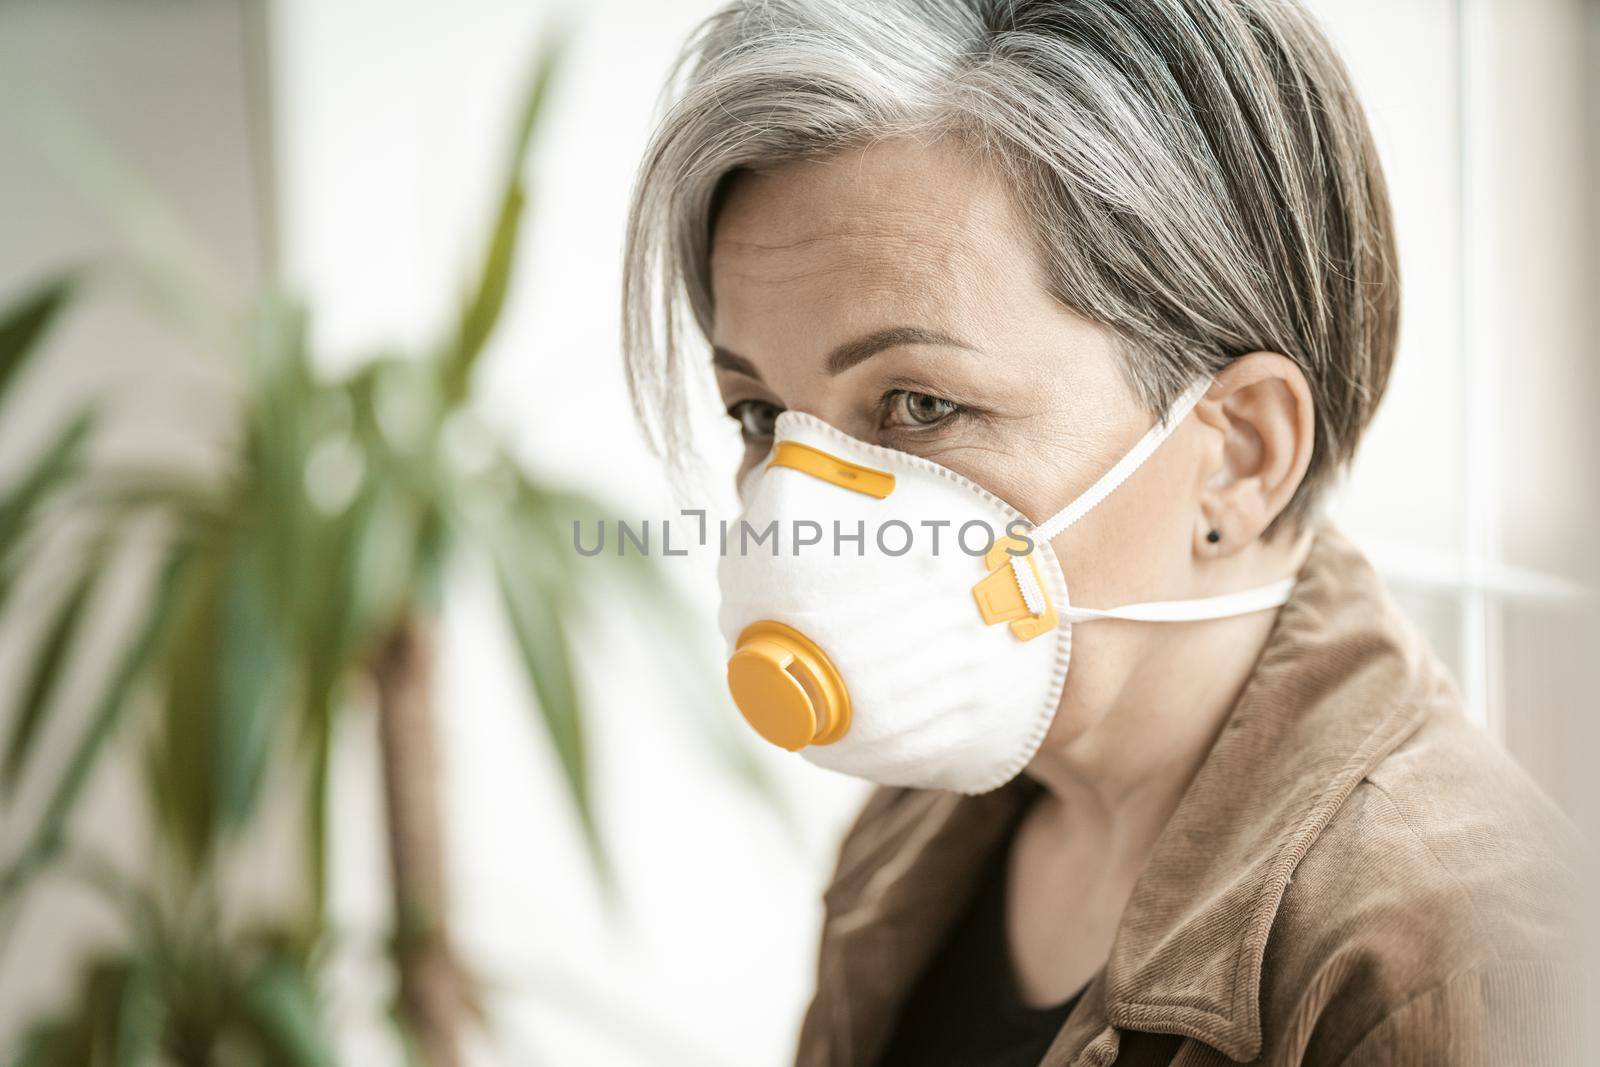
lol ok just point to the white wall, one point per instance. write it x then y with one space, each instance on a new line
1476 486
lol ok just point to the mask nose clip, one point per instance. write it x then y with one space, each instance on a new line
786 687
832 469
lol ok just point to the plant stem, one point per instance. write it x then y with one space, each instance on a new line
431 993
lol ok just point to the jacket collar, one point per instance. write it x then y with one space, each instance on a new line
1335 689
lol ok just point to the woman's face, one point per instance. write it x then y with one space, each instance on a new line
893 293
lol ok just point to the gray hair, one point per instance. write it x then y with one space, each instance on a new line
1198 177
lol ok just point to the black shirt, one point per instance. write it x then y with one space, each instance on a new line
965 1010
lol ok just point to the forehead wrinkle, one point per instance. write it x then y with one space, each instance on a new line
909 214
922 232
877 250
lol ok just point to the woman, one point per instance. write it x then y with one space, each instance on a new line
1115 281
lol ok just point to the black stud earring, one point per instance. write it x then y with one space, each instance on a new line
1213 537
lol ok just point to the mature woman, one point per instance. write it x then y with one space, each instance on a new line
1109 288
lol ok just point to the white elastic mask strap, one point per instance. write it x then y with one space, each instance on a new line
1086 501
1243 602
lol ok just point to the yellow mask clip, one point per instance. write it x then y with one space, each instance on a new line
1000 598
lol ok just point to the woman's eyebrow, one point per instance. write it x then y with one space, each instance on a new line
721 357
853 352
864 348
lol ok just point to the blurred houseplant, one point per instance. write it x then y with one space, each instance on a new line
305 579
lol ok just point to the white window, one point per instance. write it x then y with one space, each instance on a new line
1474 490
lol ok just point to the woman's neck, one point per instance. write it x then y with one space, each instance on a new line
1118 782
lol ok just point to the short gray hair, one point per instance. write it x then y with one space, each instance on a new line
1198 176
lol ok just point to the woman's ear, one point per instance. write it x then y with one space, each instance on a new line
1260 406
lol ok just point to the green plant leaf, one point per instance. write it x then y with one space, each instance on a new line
183 755
250 688
483 310
483 313
282 1007
535 531
45 675
23 325
117 494
139 1013
89 1032
60 459
661 609
281 432
384 567
326 642
541 640
317 778
48 834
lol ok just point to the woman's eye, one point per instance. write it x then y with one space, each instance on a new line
918 409
756 418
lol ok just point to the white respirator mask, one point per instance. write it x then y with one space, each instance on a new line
890 619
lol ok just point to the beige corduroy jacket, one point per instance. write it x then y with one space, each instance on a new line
1356 876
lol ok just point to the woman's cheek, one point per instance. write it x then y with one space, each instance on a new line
1010 477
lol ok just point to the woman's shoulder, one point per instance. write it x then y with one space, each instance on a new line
1443 894
1448 826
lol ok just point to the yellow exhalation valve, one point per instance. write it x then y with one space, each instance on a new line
786 687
